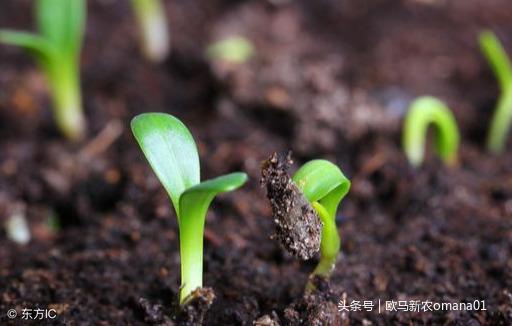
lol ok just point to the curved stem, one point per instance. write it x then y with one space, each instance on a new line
329 247
423 112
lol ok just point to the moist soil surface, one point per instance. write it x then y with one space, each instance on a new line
330 79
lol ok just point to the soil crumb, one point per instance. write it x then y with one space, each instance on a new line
298 227
154 314
315 309
267 320
194 311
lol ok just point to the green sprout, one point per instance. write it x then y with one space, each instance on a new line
324 186
153 30
424 111
234 49
172 153
57 51
500 64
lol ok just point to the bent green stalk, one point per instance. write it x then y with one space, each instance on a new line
172 153
153 30
502 68
330 243
324 185
423 112
57 51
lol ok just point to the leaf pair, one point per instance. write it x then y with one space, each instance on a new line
57 49
172 153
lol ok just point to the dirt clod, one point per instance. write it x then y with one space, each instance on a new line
298 227
154 313
267 320
317 308
194 311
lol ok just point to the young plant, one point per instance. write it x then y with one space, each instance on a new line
153 30
57 51
234 49
423 112
171 151
500 64
324 186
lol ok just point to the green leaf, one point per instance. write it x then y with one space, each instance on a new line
200 196
34 44
62 22
322 181
170 150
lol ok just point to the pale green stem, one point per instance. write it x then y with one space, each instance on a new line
153 28
329 245
191 223
191 259
501 122
426 111
65 86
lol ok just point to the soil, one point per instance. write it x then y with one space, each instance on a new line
298 226
330 79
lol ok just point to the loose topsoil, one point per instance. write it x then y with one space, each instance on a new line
330 79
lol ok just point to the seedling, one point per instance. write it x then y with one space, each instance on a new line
423 112
324 185
500 64
153 30
171 151
234 49
57 51
304 208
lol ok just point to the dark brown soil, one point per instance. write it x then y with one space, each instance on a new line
330 79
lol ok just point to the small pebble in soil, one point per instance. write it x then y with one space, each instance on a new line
267 320
298 227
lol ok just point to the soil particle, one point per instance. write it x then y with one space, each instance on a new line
267 320
298 227
194 311
316 308
154 313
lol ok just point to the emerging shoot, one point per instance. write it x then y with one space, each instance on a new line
500 64
57 51
423 112
234 49
324 185
304 208
153 30
172 153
